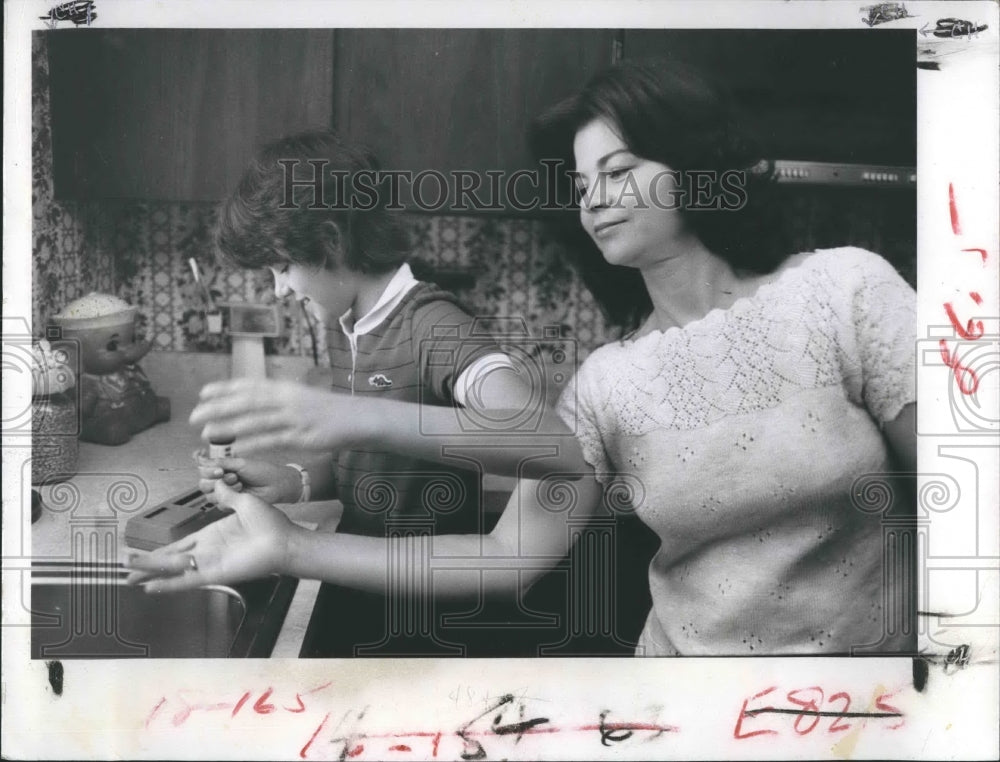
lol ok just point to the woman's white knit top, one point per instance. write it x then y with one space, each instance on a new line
738 438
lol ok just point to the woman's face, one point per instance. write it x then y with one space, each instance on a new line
629 205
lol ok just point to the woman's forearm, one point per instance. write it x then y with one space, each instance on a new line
458 565
541 446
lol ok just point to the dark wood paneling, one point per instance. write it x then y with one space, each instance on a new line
821 95
457 99
176 114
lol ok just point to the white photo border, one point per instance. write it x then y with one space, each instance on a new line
684 708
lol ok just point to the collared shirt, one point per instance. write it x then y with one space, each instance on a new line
395 291
393 294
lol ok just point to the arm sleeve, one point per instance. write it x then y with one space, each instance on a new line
884 311
475 371
576 407
445 346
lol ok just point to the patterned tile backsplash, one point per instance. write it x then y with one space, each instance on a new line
140 251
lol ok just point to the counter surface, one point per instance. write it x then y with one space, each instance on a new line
112 484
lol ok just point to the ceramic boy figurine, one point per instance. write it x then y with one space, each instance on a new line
116 398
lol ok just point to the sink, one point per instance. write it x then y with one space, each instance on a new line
81 611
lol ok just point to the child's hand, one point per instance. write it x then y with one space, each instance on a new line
270 482
249 544
265 414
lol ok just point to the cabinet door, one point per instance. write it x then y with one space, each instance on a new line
457 99
823 95
175 114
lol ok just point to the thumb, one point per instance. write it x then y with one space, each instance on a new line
236 499
226 496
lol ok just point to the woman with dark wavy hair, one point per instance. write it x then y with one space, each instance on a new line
709 173
754 387
753 392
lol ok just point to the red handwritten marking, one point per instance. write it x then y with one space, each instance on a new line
319 688
960 370
305 749
737 731
835 727
184 714
956 226
614 726
809 705
880 703
971 331
181 716
809 701
982 252
260 707
156 709
298 697
487 733
240 703
356 750
539 731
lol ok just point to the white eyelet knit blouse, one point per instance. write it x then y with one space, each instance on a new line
742 434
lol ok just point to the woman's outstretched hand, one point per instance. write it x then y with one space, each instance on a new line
249 544
266 414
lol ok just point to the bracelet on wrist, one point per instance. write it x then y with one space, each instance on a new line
306 493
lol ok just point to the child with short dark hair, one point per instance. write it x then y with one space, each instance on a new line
344 258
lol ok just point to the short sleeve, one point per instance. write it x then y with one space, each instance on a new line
884 310
445 343
467 380
576 407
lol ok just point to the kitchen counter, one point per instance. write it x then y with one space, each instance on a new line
83 519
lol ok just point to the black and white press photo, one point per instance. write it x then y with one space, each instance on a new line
526 364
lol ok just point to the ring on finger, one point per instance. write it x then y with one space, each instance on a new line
192 563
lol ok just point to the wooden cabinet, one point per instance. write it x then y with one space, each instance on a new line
457 99
823 95
176 114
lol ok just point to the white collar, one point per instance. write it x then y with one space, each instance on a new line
393 294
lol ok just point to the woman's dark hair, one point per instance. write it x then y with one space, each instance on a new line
670 114
268 220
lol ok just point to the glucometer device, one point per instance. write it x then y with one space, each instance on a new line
172 519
